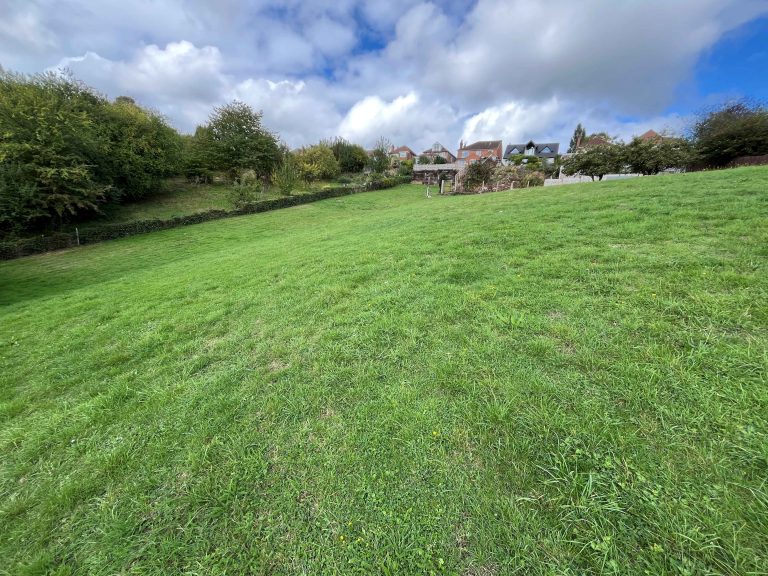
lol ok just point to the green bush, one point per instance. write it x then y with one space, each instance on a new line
476 175
317 163
405 169
143 149
20 203
287 177
71 150
653 156
732 131
51 137
351 157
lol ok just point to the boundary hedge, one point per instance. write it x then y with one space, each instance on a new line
11 249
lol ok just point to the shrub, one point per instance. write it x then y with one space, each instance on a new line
379 159
530 162
246 193
51 137
653 156
351 157
287 177
20 203
734 130
317 163
477 175
143 149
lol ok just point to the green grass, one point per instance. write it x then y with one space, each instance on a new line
182 199
567 380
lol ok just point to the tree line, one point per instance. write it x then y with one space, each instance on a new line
67 152
715 139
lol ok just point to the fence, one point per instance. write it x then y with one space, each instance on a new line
90 235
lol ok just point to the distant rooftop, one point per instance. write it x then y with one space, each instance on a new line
483 145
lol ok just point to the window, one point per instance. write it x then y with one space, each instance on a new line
546 150
402 154
514 151
464 154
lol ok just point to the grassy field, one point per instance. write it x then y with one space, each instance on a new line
181 199
567 380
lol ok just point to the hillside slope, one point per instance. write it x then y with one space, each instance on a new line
566 380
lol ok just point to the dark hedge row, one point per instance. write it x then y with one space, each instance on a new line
750 161
90 235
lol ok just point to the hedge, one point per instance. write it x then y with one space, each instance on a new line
11 249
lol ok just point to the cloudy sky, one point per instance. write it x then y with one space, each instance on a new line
414 72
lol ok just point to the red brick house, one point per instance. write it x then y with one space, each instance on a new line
471 153
594 141
402 153
652 136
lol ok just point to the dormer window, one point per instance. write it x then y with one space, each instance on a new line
546 150
514 151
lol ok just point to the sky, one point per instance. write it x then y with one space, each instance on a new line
413 72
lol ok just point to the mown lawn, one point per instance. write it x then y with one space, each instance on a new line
180 198
546 381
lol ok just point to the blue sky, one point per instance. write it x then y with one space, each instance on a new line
412 71
737 65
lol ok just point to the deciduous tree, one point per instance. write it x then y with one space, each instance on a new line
734 130
596 161
237 141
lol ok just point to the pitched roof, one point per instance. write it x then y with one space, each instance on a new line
538 149
651 135
595 141
401 149
483 145
439 152
436 147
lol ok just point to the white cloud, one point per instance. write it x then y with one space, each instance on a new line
630 53
510 69
180 70
330 37
294 109
515 121
403 120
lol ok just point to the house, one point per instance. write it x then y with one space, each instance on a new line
401 153
594 140
546 152
471 153
651 136
439 150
